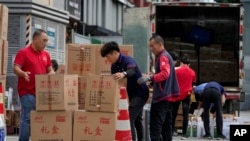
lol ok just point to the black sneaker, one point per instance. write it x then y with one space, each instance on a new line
221 137
207 137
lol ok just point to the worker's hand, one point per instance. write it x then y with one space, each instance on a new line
118 76
143 79
27 76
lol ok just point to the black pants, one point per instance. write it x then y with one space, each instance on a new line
212 95
136 105
193 106
185 111
161 121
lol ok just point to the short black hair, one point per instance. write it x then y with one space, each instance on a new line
54 64
108 48
185 59
38 33
174 55
157 38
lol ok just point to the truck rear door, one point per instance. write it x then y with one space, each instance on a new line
136 25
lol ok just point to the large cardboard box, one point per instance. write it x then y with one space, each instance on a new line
51 125
4 14
61 69
3 56
9 117
94 126
3 82
103 93
80 59
84 59
82 84
56 92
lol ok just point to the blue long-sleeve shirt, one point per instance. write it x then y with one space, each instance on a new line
215 85
200 88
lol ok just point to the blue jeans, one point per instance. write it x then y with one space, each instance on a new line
28 104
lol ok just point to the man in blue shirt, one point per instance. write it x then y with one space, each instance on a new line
126 67
207 94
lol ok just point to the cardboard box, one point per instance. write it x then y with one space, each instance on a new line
4 15
94 126
17 119
9 117
61 69
82 84
85 59
3 82
56 92
80 59
3 56
48 125
103 93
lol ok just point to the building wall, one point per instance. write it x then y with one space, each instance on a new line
57 47
104 13
23 22
59 4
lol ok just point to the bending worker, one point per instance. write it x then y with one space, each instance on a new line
208 94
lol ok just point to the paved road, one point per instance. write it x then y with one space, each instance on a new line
177 138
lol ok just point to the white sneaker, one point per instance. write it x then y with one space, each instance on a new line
175 134
183 138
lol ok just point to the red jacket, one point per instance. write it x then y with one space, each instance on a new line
185 76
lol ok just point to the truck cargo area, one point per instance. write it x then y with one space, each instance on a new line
210 35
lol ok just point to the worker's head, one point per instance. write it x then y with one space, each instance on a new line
156 44
54 65
40 40
185 59
174 56
110 51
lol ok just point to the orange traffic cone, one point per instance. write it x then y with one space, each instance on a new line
1 100
123 129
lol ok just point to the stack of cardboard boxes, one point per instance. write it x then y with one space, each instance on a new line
80 104
4 14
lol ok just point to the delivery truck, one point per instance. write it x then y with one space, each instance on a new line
209 32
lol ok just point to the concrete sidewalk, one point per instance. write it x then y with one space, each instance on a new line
245 114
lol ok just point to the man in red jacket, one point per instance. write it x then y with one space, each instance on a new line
165 88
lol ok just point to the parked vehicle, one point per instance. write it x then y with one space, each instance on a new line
211 33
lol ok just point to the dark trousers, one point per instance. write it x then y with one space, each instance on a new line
161 121
136 105
185 112
212 95
193 106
